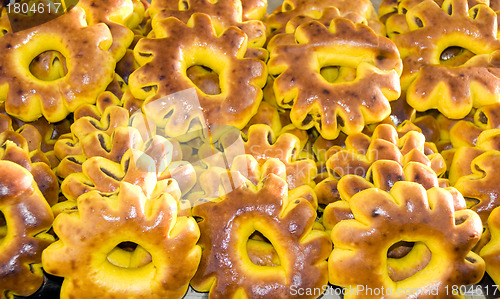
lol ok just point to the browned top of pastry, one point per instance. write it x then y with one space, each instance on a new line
176 47
90 67
227 224
28 218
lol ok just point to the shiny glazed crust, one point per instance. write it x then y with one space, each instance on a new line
176 47
383 219
28 217
456 86
86 238
331 107
89 70
223 13
285 221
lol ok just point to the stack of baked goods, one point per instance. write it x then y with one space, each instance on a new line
156 149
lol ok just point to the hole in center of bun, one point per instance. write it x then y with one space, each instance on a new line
129 255
49 66
3 227
206 79
338 74
405 259
261 251
455 56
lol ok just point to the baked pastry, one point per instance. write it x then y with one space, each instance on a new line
361 151
290 9
82 84
480 187
262 144
407 213
337 105
452 72
267 114
223 13
383 174
225 56
116 15
14 148
25 218
226 225
49 66
40 136
142 168
393 13
108 135
89 257
490 252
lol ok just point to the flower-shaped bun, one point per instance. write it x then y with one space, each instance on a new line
291 9
408 213
40 136
23 235
382 174
262 144
115 14
109 135
224 13
99 144
450 57
286 222
361 151
89 257
473 172
90 67
393 14
14 148
465 133
177 47
482 186
368 68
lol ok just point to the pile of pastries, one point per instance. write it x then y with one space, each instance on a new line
149 147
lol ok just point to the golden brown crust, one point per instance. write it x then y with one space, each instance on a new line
28 218
89 71
287 222
393 13
435 75
482 184
296 60
163 74
15 148
223 13
98 144
139 167
362 151
407 213
262 144
115 14
291 9
70 148
87 239
382 174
